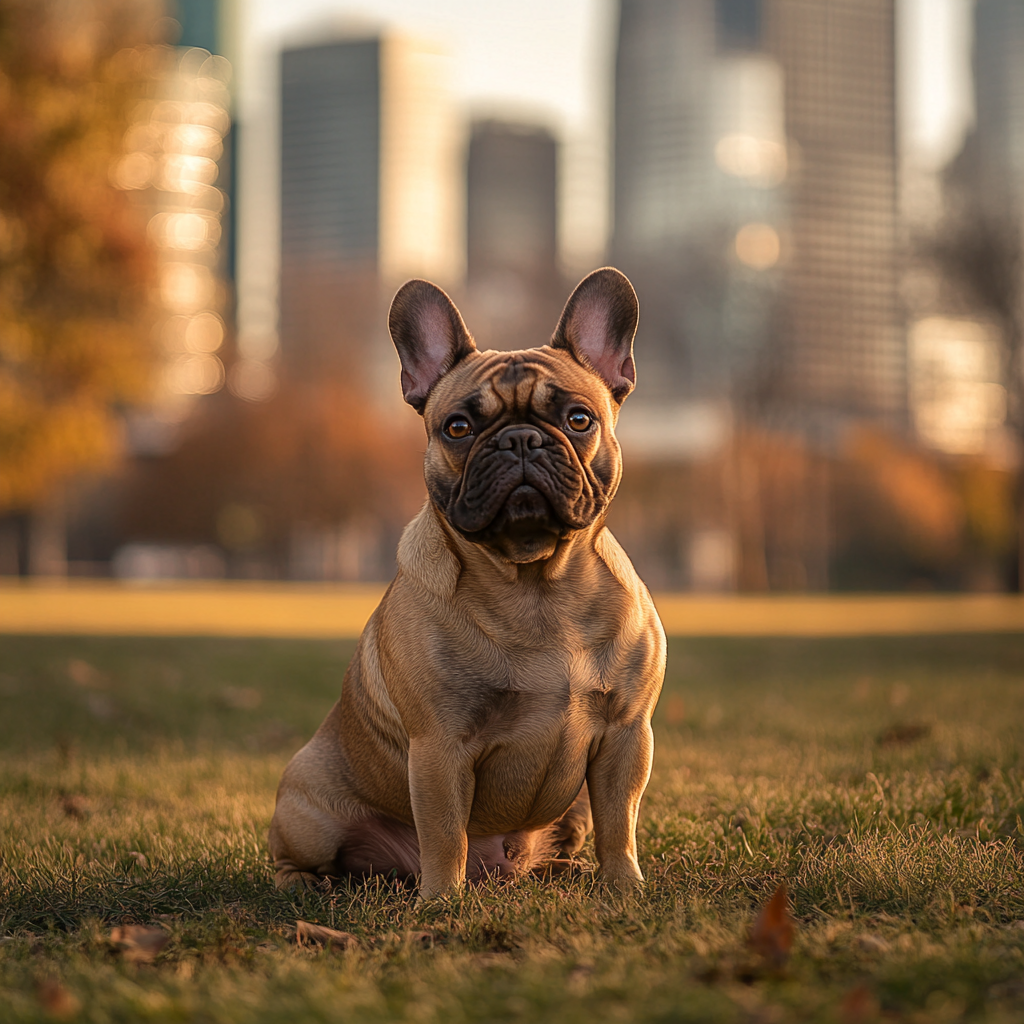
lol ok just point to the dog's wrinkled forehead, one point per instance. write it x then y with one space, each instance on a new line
515 385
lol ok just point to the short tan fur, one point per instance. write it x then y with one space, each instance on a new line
498 704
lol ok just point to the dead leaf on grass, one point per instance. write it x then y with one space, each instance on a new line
241 698
55 999
307 934
772 934
87 676
872 944
858 1006
903 733
138 943
75 806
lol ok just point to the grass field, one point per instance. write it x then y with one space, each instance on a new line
882 779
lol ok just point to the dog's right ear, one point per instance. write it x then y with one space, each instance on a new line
430 336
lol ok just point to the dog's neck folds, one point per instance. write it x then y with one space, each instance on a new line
438 557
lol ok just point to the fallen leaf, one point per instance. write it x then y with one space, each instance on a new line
872 944
903 733
241 698
772 934
56 999
859 1005
317 935
75 806
138 943
81 673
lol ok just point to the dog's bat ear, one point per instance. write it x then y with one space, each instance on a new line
597 328
430 336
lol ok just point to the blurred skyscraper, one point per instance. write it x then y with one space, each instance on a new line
755 200
966 344
514 288
843 338
179 160
996 148
371 183
756 212
512 186
213 25
699 157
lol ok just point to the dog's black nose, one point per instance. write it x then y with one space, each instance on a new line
520 439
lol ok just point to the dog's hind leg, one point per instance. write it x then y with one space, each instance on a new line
570 832
304 842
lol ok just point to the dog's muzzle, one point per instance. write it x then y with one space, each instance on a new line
522 472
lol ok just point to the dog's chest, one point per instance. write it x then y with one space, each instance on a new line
558 672
542 700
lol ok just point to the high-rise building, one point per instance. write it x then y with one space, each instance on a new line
511 200
371 182
178 157
996 146
756 212
699 158
962 383
755 200
514 290
843 341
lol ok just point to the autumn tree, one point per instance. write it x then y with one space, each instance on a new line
75 267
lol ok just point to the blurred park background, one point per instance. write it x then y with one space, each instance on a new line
206 205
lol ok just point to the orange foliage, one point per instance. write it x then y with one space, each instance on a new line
74 262
315 454
903 495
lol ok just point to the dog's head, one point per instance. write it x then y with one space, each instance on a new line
521 446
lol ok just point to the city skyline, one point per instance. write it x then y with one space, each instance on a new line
561 77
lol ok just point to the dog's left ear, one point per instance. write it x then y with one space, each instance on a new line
597 328
430 336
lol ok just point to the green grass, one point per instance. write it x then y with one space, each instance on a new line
883 780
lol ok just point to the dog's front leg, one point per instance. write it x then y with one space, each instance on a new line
441 786
617 777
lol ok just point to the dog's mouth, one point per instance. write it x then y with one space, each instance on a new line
525 528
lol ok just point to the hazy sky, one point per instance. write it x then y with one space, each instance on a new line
936 94
544 55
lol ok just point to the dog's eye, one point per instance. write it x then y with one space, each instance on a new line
458 427
579 421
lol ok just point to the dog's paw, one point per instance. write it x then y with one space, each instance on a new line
301 881
625 882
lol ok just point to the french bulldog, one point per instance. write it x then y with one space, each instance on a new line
498 704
